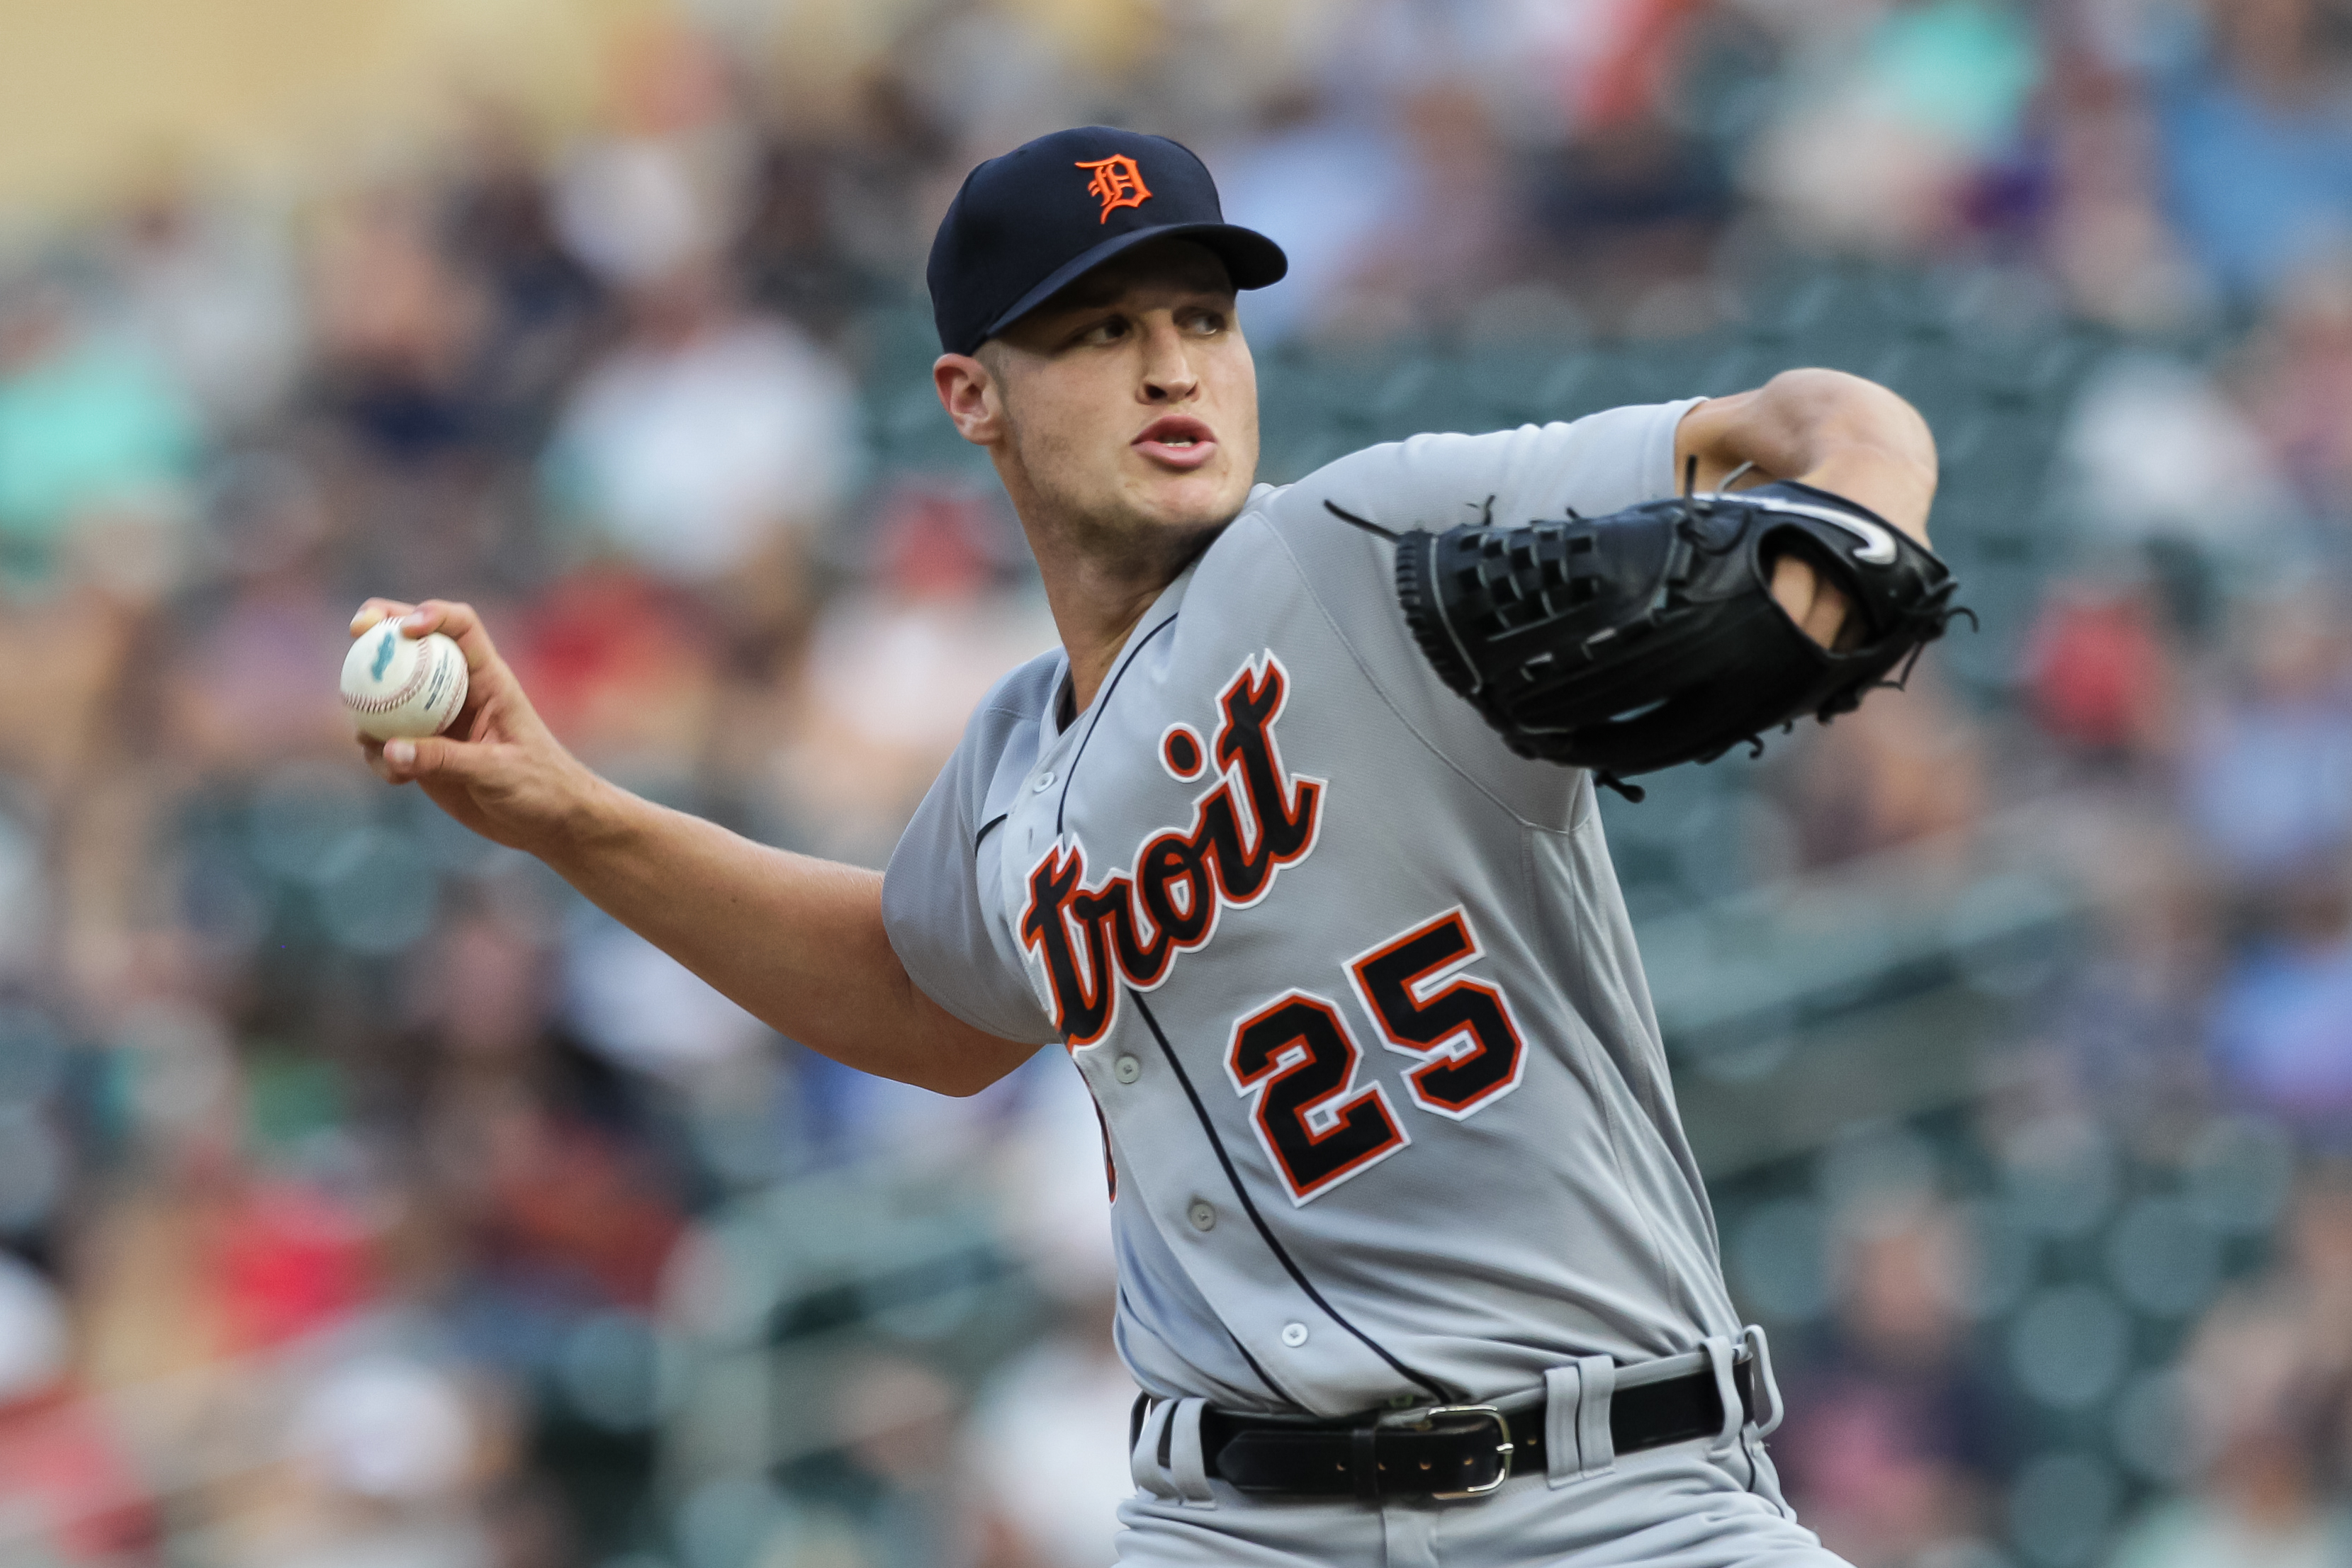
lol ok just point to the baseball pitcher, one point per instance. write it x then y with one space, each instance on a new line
1292 844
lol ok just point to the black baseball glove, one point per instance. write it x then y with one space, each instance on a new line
1649 637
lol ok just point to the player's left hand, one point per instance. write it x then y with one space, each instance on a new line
1820 608
1831 431
1676 636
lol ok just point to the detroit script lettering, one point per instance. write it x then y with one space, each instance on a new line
1255 821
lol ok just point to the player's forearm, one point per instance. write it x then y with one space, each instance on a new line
797 942
1826 428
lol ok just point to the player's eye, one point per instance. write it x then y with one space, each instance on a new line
1109 330
1205 323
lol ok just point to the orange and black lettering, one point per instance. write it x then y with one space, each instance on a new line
1083 995
1179 750
1172 868
1296 1058
1471 1050
1137 925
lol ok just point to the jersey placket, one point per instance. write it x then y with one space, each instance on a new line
1191 1180
1223 1225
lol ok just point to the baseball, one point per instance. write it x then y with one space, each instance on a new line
397 687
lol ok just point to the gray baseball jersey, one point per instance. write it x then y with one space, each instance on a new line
1352 984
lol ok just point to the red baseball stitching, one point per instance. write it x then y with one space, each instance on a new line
385 704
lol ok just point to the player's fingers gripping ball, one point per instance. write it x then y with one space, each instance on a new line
397 687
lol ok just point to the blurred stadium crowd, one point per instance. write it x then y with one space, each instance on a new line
368 1200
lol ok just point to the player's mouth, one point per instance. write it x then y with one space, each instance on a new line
1177 441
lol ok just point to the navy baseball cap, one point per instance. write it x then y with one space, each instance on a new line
1028 223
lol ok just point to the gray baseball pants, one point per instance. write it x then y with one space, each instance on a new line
1709 1502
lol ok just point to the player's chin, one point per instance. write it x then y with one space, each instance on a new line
1200 497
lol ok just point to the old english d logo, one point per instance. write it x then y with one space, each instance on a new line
1118 182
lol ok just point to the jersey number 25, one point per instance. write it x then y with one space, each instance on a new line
1297 1057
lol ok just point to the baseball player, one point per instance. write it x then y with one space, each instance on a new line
1292 844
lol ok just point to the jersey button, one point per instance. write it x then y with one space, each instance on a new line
1127 1070
1044 783
1202 1215
1293 1334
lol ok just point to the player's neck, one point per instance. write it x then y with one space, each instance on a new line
1096 621
1100 580
1100 595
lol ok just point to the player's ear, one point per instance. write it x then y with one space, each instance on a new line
968 391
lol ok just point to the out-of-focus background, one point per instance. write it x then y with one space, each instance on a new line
369 1199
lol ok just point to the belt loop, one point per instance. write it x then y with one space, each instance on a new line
1596 1446
1564 1397
1769 1409
1188 1467
1165 1459
1363 1458
1735 1410
1143 1458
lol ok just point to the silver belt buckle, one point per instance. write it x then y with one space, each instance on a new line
1424 1420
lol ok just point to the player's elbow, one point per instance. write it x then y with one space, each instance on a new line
958 1068
969 1073
1819 410
964 1085
949 1056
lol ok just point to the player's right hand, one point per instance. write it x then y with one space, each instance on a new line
497 768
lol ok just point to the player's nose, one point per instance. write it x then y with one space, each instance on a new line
1169 374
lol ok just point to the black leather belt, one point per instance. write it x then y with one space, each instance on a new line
1449 1451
